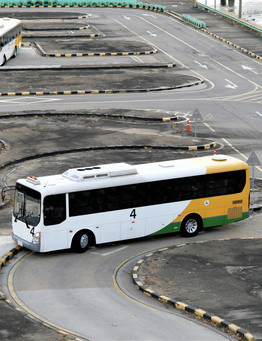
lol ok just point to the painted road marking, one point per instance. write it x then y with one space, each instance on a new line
231 85
109 253
152 34
249 68
29 100
201 65
236 150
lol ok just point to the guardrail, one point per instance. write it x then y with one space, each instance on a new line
82 3
230 17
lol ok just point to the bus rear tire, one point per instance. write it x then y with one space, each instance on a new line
191 225
3 61
81 242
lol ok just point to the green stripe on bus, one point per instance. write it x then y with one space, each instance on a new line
222 220
172 227
207 222
214 221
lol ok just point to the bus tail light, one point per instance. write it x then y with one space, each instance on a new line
37 238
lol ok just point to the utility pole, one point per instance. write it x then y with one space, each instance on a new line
240 9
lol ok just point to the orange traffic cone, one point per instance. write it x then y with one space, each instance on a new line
187 127
215 152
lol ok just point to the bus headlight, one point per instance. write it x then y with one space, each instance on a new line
37 238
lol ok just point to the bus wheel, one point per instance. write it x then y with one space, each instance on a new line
15 53
191 225
81 242
3 61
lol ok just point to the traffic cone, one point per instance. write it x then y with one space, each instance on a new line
215 152
187 127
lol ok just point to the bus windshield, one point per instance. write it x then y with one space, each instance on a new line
27 205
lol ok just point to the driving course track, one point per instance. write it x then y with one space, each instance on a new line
233 328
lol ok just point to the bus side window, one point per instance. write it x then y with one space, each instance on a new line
54 209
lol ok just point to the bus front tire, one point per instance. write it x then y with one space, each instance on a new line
81 242
3 61
191 225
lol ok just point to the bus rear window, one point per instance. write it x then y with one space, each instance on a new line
54 209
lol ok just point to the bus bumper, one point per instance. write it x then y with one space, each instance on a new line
26 244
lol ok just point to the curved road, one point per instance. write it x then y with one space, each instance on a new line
77 292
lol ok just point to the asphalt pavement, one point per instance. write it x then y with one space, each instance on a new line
222 277
215 271
223 28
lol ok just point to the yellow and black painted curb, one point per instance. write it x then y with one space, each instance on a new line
26 44
88 67
242 49
103 148
62 332
9 255
198 312
214 35
59 29
144 7
83 113
93 54
91 35
85 92
203 147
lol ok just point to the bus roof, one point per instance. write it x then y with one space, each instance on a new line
6 24
117 174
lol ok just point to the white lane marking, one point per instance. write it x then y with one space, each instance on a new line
29 100
236 150
208 126
201 65
127 18
109 253
231 85
249 68
149 15
152 34
137 59
258 113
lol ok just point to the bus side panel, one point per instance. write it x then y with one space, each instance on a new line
212 219
54 237
168 223
219 210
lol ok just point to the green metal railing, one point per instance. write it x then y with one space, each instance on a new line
82 3
230 17
194 21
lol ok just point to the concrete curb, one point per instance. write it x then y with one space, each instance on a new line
116 147
92 54
85 92
9 255
91 35
242 49
55 29
3 262
86 114
4 204
26 44
88 67
198 312
144 7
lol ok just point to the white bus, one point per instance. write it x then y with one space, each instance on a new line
106 203
10 38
